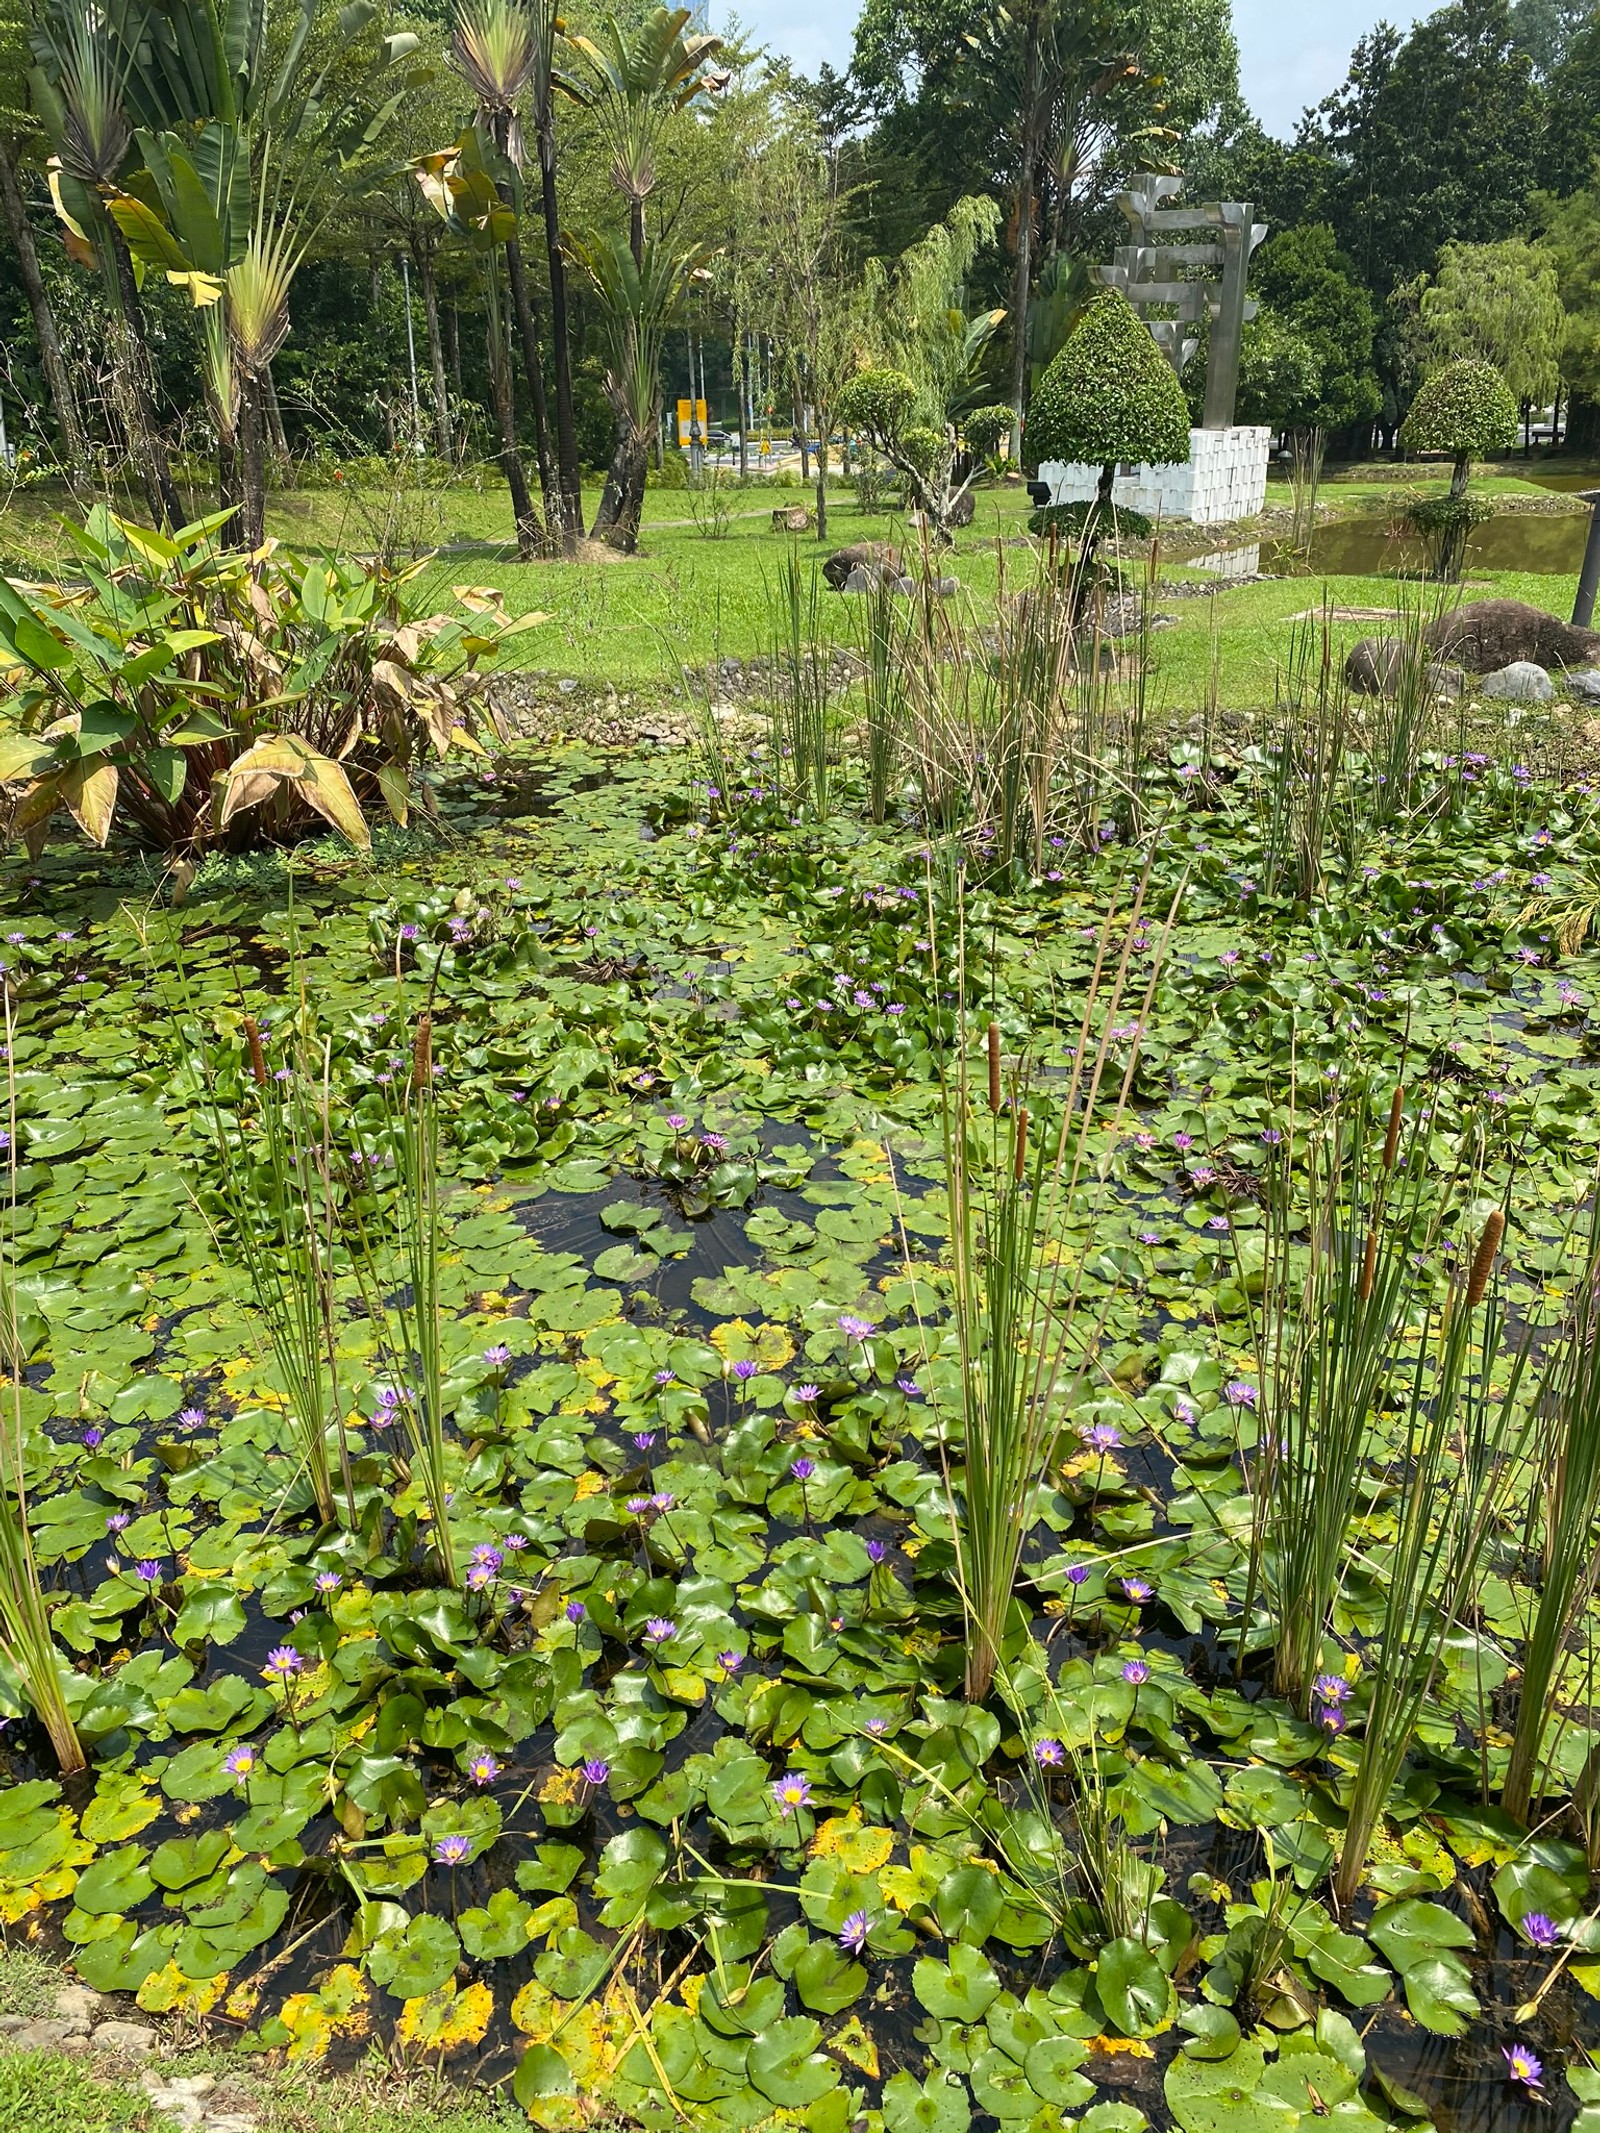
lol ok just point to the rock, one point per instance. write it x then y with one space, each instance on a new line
566 685
860 580
905 587
132 2039
10 2024
791 518
1584 684
181 2097
870 556
1486 636
1371 666
50 2035
946 587
229 2122
1522 682
76 2003
1374 666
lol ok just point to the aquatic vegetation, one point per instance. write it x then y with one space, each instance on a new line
674 1789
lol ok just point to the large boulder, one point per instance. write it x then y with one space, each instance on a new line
873 557
1522 682
1374 667
1485 636
1585 684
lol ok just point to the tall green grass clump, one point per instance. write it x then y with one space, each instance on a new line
1455 1455
800 656
25 1639
1022 1331
1568 1500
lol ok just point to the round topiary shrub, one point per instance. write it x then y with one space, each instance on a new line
878 402
1109 395
985 427
1463 410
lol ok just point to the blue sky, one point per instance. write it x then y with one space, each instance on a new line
1291 52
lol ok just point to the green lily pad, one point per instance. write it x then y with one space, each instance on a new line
958 1991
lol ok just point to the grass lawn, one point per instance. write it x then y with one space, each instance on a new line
694 598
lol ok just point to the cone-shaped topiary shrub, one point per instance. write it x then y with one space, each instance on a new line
1109 395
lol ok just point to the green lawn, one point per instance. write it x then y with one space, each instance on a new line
693 598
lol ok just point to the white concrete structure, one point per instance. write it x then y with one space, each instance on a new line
1225 479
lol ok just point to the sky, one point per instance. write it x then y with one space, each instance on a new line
1291 52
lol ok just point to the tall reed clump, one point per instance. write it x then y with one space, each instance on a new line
888 625
25 1639
800 662
1024 1334
1454 1459
1568 1498
1403 721
273 1175
1304 801
1331 1314
398 1264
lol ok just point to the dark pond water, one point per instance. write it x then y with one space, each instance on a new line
1371 547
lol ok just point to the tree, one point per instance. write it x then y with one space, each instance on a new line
19 134
77 86
1465 412
807 293
633 83
1571 138
1500 303
635 80
639 299
1280 376
925 349
1430 140
1308 283
465 192
1547 29
1109 396
1570 239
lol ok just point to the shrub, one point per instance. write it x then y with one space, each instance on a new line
186 690
1109 395
1463 411
986 428
878 402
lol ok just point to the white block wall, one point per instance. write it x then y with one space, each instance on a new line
1225 479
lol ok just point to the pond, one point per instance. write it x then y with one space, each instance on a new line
1372 547
682 1800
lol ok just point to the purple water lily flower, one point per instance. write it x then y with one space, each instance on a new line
803 1469
877 1550
856 1329
1102 1437
483 1769
1136 1673
730 1662
451 1850
1138 1590
853 1933
596 1770
1049 1754
575 1610
149 1572
790 1791
1521 2065
240 1762
1539 1930
660 1629
283 1663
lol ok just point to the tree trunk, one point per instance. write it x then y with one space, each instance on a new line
455 346
622 504
252 460
566 427
742 359
430 312
801 437
822 483
533 372
274 414
530 534
150 450
636 232
1019 302
51 360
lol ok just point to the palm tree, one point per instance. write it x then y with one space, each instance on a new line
633 85
77 84
461 186
639 299
505 50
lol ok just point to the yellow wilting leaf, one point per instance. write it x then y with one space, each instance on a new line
168 1991
861 1850
589 1484
342 2008
1129 2047
561 1786
739 1342
852 2044
242 2002
444 2020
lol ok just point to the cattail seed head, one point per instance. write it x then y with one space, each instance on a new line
994 1067
422 1054
1369 1265
258 1058
1019 1151
1483 1261
1391 1140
